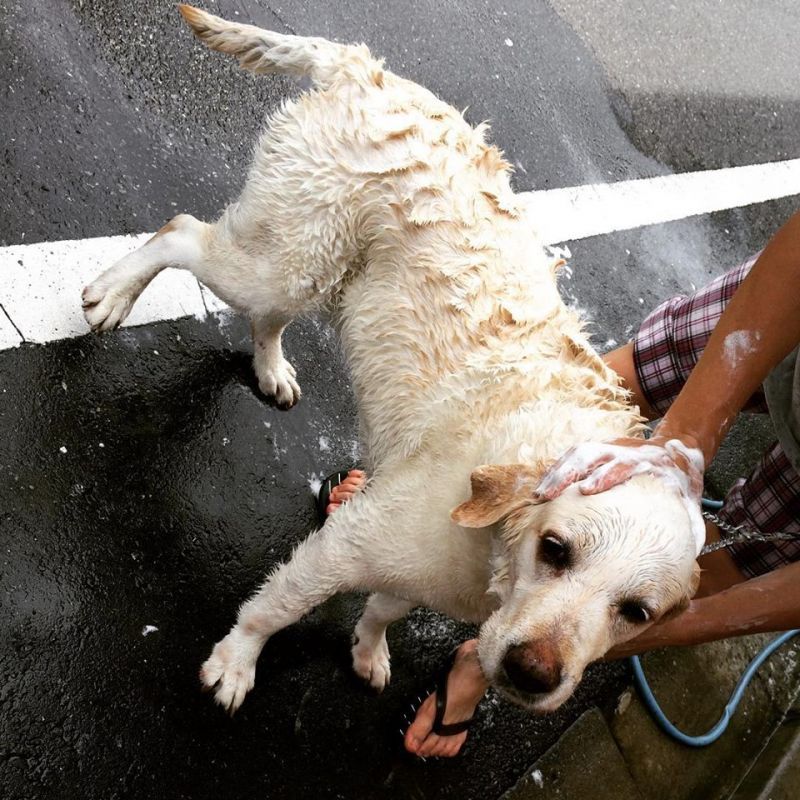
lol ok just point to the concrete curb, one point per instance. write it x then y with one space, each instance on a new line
583 762
776 773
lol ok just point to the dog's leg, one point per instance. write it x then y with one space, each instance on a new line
329 561
370 649
214 257
109 299
276 376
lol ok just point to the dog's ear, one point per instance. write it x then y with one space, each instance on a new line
497 490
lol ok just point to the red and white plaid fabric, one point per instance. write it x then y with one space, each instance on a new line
666 348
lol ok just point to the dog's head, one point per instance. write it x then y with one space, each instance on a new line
576 575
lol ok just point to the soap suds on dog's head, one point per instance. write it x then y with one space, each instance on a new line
587 464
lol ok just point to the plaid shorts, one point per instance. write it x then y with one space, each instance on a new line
666 348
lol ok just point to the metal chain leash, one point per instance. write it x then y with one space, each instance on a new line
739 533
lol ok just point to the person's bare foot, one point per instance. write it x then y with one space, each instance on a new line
466 685
355 481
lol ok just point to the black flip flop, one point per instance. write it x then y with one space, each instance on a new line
324 496
440 728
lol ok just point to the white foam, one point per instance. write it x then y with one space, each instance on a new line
739 345
587 464
315 484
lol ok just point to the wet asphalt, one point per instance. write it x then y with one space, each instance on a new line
145 486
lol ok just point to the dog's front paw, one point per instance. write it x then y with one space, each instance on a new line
230 671
279 381
104 308
371 663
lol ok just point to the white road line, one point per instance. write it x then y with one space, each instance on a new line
582 211
40 284
8 333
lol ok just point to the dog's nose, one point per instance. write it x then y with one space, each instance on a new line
533 667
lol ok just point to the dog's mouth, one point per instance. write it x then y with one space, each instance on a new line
537 702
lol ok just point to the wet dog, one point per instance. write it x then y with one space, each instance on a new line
373 200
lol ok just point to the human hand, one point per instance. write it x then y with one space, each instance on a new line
598 466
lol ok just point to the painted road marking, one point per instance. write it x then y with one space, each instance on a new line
40 284
9 337
578 212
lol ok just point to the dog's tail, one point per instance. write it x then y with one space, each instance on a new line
263 51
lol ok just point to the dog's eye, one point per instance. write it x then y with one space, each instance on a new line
634 612
554 551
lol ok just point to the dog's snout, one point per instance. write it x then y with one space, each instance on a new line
533 667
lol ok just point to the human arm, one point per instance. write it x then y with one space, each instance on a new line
770 602
759 326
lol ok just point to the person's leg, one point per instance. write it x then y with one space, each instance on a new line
768 499
655 366
622 362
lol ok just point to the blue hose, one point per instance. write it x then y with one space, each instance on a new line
712 505
706 738
712 735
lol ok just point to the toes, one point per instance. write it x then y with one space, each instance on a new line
348 488
268 386
372 665
441 746
115 316
339 495
229 673
355 478
420 739
420 728
232 689
91 295
454 745
381 675
430 747
280 383
447 746
103 309
287 392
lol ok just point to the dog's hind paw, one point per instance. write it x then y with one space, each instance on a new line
279 382
104 308
230 671
371 664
